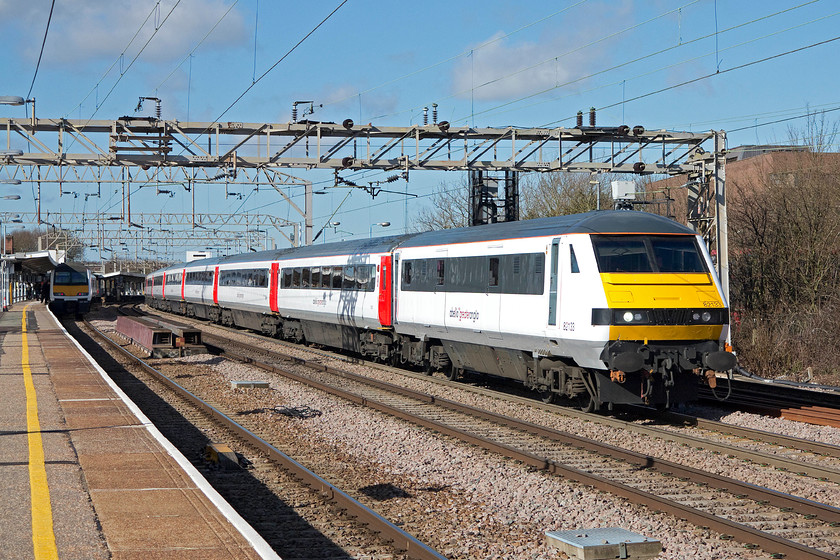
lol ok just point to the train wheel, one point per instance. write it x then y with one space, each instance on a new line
454 372
427 367
586 403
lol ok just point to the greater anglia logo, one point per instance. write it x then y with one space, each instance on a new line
463 315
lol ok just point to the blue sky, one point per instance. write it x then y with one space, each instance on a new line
488 63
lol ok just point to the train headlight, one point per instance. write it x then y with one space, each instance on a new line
706 316
628 316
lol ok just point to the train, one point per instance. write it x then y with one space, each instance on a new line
601 308
72 289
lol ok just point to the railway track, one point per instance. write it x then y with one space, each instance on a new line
750 514
776 512
795 455
818 405
299 513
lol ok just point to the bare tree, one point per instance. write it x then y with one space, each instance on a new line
560 193
785 264
450 208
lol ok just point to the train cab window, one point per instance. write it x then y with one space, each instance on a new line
647 253
494 271
316 277
573 259
326 276
296 273
306 273
676 254
337 277
440 272
70 277
406 273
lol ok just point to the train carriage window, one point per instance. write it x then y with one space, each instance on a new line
316 276
296 273
573 259
326 277
494 271
363 278
406 273
337 277
440 272
306 274
349 278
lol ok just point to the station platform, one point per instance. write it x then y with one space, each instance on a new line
85 475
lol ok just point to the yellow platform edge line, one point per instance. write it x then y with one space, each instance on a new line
43 534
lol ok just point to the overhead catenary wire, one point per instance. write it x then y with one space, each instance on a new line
494 109
281 59
41 54
200 42
457 56
119 58
720 72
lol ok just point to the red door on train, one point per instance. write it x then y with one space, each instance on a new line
216 286
272 287
385 291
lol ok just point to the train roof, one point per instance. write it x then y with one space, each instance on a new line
596 222
352 247
78 267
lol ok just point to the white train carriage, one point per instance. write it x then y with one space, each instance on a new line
337 295
607 307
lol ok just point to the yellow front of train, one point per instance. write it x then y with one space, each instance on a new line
668 318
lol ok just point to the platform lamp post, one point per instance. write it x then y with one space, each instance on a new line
382 224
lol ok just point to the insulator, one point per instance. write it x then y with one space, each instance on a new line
579 122
425 116
592 116
434 113
294 113
392 178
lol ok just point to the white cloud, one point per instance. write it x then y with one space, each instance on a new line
101 29
509 67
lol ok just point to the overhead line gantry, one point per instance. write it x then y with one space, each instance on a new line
150 151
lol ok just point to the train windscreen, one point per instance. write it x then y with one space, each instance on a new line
70 278
648 253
